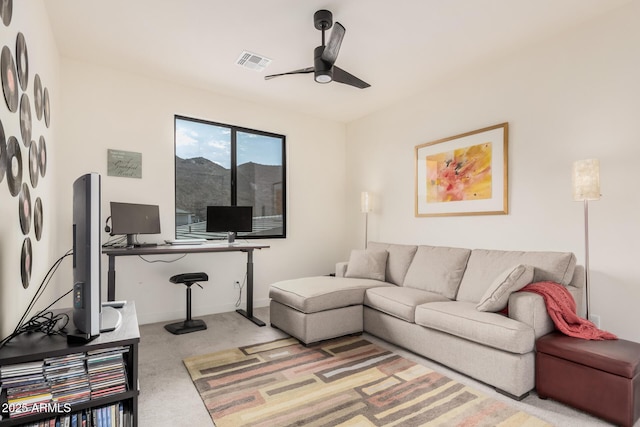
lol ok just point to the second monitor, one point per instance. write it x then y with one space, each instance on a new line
229 219
132 219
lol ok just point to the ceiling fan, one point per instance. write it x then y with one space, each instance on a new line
324 56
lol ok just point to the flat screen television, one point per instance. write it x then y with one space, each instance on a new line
89 317
229 219
131 219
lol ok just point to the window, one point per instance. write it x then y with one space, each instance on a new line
224 165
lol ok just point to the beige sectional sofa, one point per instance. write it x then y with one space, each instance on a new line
459 307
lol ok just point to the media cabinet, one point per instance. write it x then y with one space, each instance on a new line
34 347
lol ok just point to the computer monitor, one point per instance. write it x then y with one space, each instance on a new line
131 218
89 317
229 219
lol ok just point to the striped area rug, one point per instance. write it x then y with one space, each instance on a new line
343 382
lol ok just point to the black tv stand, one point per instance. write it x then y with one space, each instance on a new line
35 347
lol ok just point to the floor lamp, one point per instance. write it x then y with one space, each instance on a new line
365 208
586 186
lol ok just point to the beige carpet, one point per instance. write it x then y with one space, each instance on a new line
347 382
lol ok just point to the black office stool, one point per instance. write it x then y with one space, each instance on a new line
189 325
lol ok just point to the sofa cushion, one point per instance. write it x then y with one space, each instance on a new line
437 269
485 265
398 262
511 280
399 301
313 294
367 264
463 320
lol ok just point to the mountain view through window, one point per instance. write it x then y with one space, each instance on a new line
224 165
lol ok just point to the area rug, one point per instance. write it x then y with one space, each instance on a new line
343 382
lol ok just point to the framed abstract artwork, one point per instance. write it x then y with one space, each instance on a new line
464 174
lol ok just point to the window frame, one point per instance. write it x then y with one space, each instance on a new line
234 129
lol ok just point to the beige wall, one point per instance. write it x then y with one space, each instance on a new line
33 23
572 97
94 109
105 108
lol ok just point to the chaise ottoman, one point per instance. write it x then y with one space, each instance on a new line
598 377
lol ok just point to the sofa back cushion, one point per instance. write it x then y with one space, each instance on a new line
398 261
367 264
484 266
437 269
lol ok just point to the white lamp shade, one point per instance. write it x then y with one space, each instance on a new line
586 179
365 202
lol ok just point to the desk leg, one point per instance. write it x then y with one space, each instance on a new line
249 313
111 279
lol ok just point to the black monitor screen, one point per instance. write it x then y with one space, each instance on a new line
229 218
131 218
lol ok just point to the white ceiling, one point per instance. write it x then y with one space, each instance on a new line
400 47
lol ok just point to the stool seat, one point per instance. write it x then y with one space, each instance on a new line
189 278
189 325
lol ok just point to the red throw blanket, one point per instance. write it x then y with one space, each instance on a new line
562 310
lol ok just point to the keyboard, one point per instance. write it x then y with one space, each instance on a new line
185 241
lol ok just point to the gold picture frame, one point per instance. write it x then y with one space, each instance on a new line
464 174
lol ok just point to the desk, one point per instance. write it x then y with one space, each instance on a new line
112 253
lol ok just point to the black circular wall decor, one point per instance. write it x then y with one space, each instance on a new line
34 164
37 96
6 11
22 59
47 111
37 218
42 155
25 263
14 166
3 153
25 119
9 79
24 209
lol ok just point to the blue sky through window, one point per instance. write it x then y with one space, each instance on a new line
196 139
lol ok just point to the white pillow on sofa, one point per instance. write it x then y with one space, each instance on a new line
367 264
511 280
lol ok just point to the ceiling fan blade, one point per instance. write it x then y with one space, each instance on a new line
300 71
341 76
330 53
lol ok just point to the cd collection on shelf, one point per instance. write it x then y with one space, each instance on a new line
26 388
106 371
54 384
103 416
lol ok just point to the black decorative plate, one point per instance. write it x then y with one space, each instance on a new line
14 166
34 164
42 155
37 218
3 153
23 61
37 96
9 79
25 263
24 209
47 111
25 120
6 11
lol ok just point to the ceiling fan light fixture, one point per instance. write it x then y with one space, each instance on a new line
323 77
322 70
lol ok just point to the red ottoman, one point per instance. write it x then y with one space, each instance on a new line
598 377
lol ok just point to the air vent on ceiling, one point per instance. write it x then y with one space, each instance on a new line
253 61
